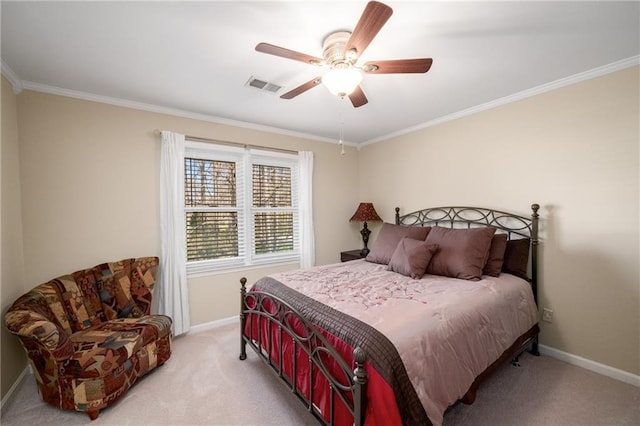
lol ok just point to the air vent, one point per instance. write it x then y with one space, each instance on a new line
263 85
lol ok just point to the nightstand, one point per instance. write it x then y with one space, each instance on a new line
346 256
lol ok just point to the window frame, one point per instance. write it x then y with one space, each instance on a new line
244 160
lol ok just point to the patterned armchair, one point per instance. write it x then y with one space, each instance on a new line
89 335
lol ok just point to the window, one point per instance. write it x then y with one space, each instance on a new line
211 209
272 209
241 207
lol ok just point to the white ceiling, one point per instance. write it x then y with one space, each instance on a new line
194 58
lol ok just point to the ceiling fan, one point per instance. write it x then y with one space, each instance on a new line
341 51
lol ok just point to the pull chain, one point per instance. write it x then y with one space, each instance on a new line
341 137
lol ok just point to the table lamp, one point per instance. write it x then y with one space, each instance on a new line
365 213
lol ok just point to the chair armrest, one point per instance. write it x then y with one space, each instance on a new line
38 329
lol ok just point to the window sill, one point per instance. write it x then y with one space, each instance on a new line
202 272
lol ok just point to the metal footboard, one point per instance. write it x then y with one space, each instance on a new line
266 321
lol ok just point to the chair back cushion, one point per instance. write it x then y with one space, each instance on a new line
92 296
126 287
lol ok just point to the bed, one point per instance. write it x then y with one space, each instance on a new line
446 296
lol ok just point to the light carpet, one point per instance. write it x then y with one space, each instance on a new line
204 383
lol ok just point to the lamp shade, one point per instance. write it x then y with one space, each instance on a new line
342 81
365 213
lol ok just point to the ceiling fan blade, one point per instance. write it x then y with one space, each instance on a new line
302 88
373 18
358 98
287 53
398 66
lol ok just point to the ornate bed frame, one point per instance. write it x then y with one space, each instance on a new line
349 385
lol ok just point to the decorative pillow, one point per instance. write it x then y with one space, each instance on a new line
516 257
496 255
411 257
462 252
388 239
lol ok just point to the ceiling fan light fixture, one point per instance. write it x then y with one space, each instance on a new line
342 81
341 51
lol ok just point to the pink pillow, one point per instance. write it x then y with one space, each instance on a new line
462 252
411 257
388 239
496 255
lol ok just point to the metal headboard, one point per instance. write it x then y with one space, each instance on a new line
515 226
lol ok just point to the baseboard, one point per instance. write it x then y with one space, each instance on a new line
13 387
587 364
214 324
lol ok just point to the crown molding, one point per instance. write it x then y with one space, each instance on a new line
38 87
19 85
557 84
16 83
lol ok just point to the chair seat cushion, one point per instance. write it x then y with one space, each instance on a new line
102 348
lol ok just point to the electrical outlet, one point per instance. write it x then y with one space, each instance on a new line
547 315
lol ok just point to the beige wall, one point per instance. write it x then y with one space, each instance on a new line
12 265
575 152
89 174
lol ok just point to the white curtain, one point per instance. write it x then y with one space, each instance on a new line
174 292
305 200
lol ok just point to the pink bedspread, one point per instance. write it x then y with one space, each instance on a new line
446 330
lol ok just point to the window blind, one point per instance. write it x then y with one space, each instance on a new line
212 211
272 209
